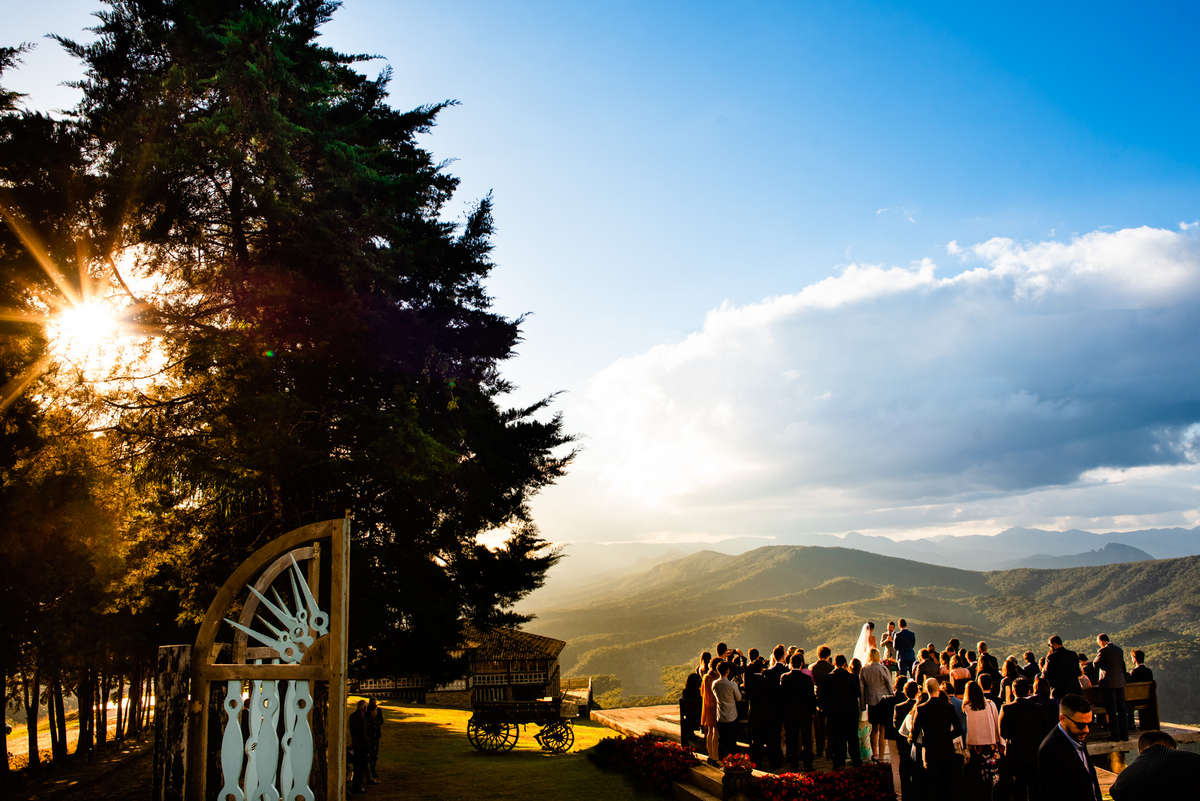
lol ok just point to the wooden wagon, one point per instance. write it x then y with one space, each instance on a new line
514 681
496 725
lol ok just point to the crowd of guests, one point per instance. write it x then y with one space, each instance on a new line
952 722
365 727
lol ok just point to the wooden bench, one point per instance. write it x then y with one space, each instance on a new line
1139 695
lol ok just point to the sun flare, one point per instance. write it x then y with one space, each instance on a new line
86 335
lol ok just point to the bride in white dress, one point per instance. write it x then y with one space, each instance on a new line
866 641
862 652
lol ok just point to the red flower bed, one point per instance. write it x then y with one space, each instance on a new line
867 783
652 760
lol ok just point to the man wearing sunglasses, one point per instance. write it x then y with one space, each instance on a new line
1064 772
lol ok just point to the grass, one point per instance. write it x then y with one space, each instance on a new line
425 754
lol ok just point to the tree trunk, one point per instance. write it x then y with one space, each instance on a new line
102 710
83 693
60 717
120 732
135 701
172 679
147 690
53 724
4 772
30 697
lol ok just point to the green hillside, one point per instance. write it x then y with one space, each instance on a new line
646 629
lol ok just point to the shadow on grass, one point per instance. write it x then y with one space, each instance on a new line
425 754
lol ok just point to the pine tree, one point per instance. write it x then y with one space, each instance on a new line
328 337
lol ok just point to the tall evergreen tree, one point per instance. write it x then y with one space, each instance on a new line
329 341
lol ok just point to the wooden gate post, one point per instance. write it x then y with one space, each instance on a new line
170 721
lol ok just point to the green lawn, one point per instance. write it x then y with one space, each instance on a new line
425 754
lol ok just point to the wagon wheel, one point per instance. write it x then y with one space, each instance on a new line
557 737
492 736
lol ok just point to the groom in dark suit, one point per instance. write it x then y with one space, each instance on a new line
1110 663
905 643
1063 770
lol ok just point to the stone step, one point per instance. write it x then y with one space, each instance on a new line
688 792
707 778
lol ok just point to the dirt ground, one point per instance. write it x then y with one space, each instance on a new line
117 775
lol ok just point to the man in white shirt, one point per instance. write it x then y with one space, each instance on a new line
726 694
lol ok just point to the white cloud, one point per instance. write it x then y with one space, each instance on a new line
1042 381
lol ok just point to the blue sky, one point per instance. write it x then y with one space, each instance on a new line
670 180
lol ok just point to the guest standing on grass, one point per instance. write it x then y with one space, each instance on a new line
726 694
375 733
1064 772
360 746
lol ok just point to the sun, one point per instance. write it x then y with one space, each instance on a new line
86 335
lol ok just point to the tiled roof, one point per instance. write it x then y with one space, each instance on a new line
511 644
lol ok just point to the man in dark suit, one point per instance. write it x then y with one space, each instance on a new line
1160 771
758 708
1110 665
1024 723
1062 669
908 770
1064 772
928 667
820 670
937 724
799 698
774 720
905 643
839 698
989 664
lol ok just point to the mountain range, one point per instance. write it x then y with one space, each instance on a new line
645 630
587 567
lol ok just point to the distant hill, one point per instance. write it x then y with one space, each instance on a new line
647 627
1111 554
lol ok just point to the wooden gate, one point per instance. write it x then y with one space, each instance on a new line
283 646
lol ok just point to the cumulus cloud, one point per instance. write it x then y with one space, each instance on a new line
889 397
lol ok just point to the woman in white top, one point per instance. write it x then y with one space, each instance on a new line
983 721
983 736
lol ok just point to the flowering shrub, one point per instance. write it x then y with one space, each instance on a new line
866 783
651 759
737 762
